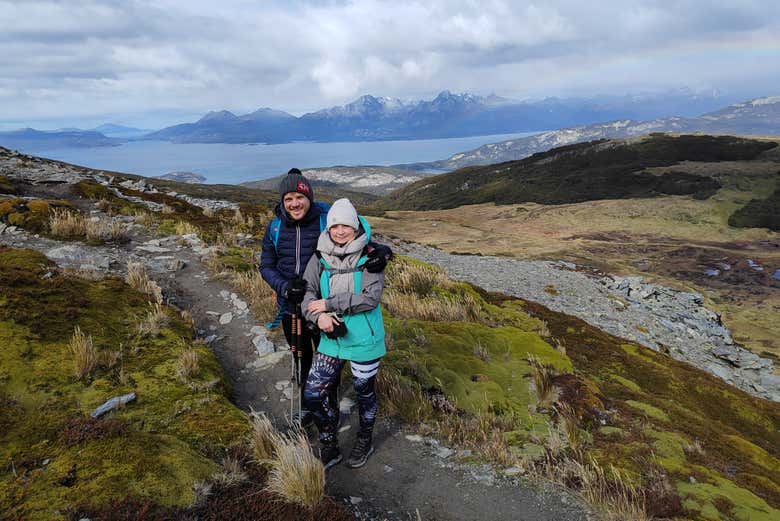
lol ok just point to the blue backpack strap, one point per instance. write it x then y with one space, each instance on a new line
276 223
323 221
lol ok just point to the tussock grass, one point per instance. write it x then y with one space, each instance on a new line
259 295
570 426
186 228
66 224
482 433
610 491
187 365
105 230
265 438
85 357
296 473
69 225
417 279
401 397
144 218
168 209
154 322
543 382
231 473
138 278
451 308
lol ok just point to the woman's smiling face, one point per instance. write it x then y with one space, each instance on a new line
342 234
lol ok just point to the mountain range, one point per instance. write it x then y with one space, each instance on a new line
755 117
448 115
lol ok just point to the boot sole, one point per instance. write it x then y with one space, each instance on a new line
358 464
333 462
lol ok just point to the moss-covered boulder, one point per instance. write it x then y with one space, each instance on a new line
33 216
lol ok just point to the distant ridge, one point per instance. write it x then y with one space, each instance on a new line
760 116
29 139
447 115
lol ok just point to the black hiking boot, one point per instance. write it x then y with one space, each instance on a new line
330 455
360 452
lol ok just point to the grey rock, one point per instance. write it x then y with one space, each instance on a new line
263 346
226 318
175 265
113 403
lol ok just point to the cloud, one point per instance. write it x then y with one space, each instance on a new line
105 58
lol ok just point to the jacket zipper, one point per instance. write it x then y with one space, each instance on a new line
297 250
369 324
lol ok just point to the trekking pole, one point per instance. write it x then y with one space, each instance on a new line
293 349
299 345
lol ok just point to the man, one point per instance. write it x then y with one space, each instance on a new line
289 242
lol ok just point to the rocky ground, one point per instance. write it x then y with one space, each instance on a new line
409 477
655 316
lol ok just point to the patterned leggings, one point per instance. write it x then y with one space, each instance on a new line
323 377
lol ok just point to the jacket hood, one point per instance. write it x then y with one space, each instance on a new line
328 247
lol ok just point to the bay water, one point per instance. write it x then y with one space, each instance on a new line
233 164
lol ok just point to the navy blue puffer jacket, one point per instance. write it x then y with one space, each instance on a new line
297 243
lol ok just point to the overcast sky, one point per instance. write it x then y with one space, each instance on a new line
151 63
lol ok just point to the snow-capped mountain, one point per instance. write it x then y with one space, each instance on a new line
446 115
758 116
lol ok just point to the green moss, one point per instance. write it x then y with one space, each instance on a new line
172 433
237 259
7 185
625 382
649 410
703 498
448 362
33 216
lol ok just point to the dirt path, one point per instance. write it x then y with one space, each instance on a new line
406 477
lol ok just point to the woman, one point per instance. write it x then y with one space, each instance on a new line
343 300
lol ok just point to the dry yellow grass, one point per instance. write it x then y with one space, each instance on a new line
70 225
570 425
297 474
259 295
611 492
456 308
543 382
401 397
138 278
105 230
231 473
186 228
264 438
187 365
144 218
156 319
66 224
85 357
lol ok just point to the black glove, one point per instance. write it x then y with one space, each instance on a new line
296 289
378 256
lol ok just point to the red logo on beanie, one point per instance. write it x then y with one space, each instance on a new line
302 187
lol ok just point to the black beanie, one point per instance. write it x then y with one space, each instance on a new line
295 182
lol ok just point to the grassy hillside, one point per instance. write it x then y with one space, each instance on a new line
759 213
606 169
54 456
526 386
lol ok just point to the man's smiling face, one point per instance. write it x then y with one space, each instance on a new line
296 205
